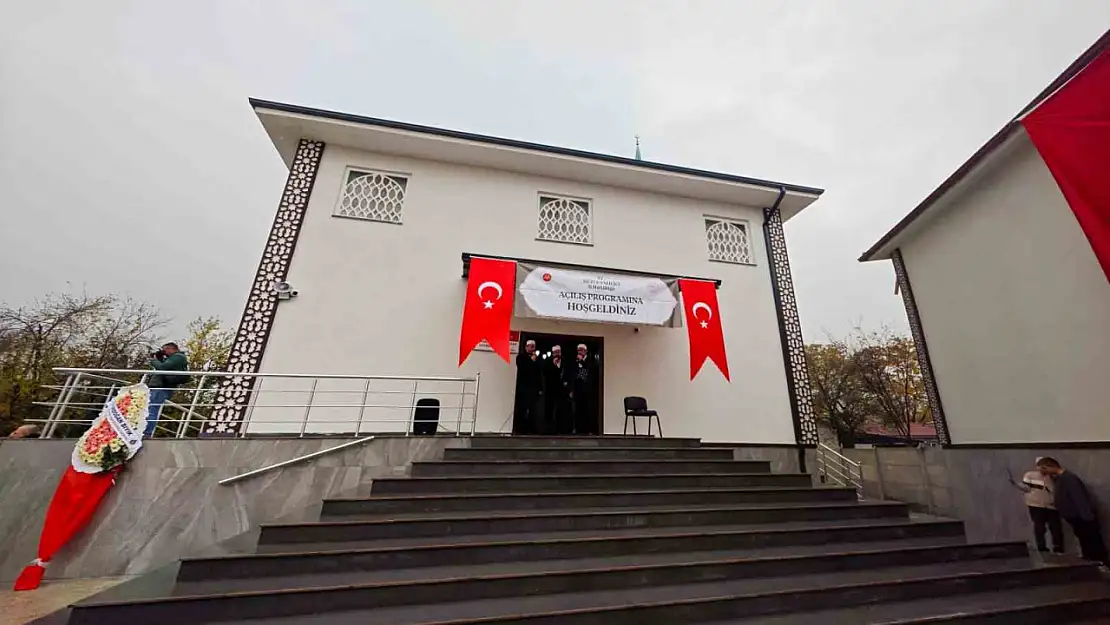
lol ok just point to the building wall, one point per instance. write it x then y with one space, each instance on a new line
973 484
385 299
168 504
1015 309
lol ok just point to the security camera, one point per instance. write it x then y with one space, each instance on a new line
283 289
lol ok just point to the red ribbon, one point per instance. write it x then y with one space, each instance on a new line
75 500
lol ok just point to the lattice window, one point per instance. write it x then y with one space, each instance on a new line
373 196
728 241
565 220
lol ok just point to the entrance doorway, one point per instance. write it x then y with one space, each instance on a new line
563 415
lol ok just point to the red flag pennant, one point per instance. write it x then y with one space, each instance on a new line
703 324
490 292
1071 131
76 499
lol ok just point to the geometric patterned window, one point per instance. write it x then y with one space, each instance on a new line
728 241
373 196
565 220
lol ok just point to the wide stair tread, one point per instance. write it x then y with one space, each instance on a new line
950 608
614 510
537 567
594 534
555 603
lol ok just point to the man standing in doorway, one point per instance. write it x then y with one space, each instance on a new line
584 393
556 386
528 408
1075 505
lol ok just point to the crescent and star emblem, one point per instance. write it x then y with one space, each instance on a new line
694 311
488 304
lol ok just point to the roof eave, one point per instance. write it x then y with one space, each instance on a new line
803 193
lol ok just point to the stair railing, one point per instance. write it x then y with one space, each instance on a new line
275 405
835 467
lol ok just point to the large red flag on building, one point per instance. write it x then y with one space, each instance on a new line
1071 130
703 324
490 292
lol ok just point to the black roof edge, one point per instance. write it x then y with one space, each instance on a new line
998 139
526 145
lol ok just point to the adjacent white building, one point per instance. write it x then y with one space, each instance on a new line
1006 298
379 218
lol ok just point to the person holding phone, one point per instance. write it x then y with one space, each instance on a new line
1076 506
1042 510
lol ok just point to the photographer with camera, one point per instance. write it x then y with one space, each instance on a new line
162 385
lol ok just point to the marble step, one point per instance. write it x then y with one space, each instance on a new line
464 523
501 442
680 603
587 453
318 558
1077 603
460 583
610 483
460 468
561 501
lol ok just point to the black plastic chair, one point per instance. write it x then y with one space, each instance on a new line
425 419
638 407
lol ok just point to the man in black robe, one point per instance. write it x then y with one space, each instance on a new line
556 382
584 393
528 404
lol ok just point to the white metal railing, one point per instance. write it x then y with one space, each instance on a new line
277 404
833 466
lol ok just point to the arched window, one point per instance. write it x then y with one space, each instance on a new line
565 220
373 196
728 241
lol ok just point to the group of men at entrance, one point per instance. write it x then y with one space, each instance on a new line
553 396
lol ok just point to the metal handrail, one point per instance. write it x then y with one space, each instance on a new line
84 390
842 470
285 463
236 374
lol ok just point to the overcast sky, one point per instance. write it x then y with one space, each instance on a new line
130 161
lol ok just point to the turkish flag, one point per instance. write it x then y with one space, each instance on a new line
1071 131
703 323
489 306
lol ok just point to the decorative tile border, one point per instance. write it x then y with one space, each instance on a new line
233 394
918 333
790 329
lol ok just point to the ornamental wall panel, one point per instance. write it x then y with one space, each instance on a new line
234 393
790 330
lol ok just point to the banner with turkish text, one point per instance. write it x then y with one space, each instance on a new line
703 325
488 308
594 296
1071 131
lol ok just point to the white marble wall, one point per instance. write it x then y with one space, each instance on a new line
168 502
972 484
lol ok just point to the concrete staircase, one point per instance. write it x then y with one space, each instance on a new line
613 531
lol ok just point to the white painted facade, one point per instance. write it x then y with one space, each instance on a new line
1014 305
380 298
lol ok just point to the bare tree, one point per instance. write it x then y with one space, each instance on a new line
888 371
838 397
65 329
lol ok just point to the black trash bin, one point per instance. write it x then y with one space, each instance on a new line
426 418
